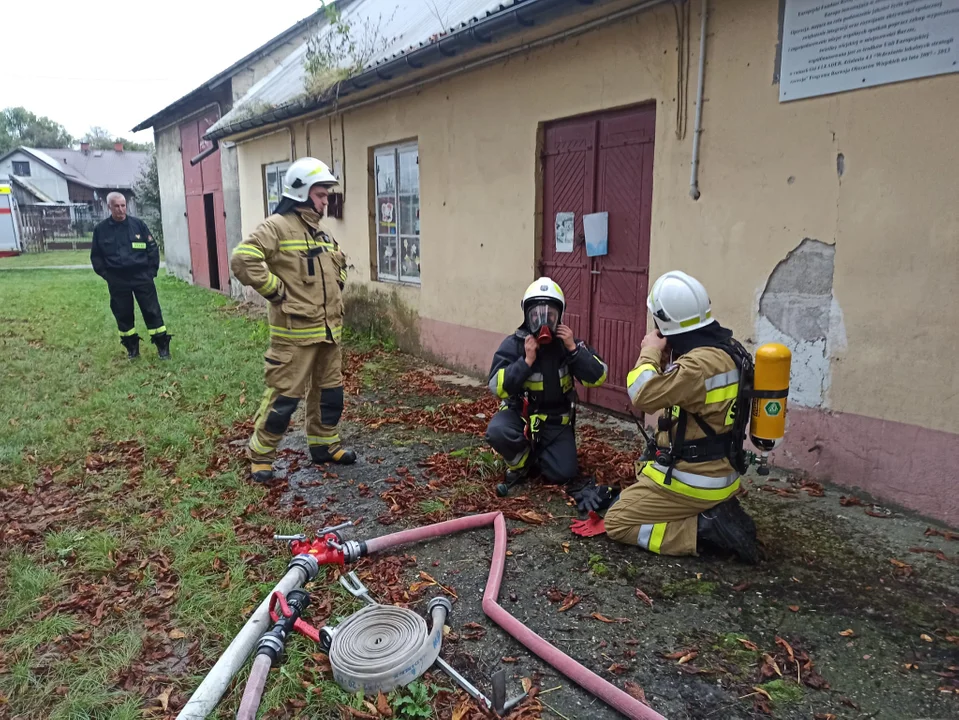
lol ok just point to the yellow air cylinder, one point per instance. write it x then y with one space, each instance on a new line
771 385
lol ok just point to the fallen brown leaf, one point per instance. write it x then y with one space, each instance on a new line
617 668
762 692
570 601
644 597
785 645
845 501
848 633
602 618
741 587
770 663
688 657
177 634
509 659
925 637
749 645
794 608
824 716
383 706
636 691
164 699
849 703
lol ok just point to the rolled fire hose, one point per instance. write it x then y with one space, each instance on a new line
383 647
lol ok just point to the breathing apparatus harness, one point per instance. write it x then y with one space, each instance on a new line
728 445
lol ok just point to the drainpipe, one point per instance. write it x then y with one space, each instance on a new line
698 129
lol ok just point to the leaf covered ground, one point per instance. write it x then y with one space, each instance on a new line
132 547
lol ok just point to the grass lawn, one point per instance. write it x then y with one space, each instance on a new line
132 546
51 257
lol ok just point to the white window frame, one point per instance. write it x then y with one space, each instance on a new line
391 153
280 168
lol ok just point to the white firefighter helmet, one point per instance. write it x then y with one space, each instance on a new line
543 305
679 303
304 174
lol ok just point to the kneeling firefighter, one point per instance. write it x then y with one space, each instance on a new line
684 497
293 262
533 373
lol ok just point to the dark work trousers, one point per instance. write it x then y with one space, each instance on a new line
554 452
121 303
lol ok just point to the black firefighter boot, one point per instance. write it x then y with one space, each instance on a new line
132 344
728 527
162 341
334 453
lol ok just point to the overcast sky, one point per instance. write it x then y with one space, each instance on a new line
114 64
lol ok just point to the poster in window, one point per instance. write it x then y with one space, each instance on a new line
564 232
596 229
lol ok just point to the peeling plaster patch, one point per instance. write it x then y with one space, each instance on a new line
797 309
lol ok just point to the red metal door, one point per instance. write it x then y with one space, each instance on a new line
603 163
569 161
200 179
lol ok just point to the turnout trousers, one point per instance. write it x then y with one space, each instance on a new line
658 518
121 304
554 451
292 373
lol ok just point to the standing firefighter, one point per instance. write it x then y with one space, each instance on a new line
533 372
125 254
684 499
299 268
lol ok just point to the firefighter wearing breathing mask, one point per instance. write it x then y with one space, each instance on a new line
533 373
689 367
293 262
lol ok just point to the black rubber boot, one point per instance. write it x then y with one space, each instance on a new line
728 527
261 472
162 342
132 344
335 453
512 478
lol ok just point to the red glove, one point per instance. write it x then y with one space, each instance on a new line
592 526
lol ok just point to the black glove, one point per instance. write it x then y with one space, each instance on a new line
595 497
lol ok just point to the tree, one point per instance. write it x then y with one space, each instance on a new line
101 139
147 190
19 126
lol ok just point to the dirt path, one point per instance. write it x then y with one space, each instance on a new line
857 607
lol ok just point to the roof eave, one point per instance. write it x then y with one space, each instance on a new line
504 23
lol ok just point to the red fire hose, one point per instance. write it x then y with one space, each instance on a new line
593 683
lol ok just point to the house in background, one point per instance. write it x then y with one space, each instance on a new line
199 183
63 176
809 201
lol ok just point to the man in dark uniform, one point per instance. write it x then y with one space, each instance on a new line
125 254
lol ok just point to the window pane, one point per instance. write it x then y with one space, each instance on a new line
409 214
410 259
387 256
386 173
409 171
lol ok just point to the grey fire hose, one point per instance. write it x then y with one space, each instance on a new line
383 647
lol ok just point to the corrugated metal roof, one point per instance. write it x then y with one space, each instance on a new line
95 168
31 188
407 23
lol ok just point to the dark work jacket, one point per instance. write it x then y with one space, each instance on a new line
549 381
124 252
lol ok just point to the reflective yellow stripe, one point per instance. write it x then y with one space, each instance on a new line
128 333
269 287
138 246
731 414
322 439
685 483
730 392
243 249
602 378
518 464
495 384
157 331
257 447
264 404
637 378
651 537
693 321
298 333
303 245
566 383
336 332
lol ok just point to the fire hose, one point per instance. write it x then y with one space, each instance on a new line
329 549
383 647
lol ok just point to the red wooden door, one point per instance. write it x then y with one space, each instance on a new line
569 161
612 173
199 180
